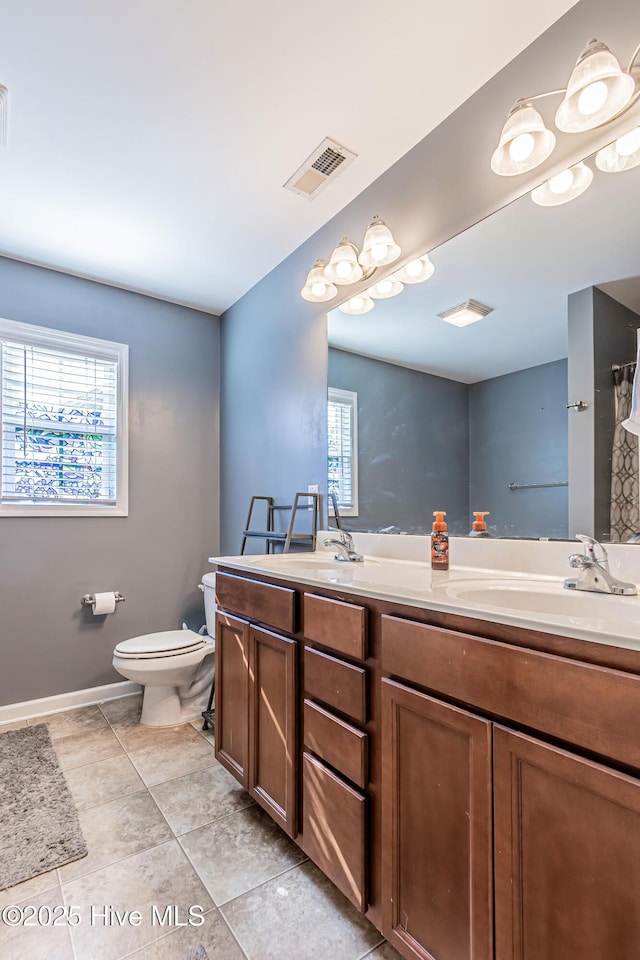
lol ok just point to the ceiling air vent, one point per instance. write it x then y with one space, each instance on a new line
324 164
3 115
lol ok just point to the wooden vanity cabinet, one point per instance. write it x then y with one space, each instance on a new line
564 860
437 828
256 696
567 854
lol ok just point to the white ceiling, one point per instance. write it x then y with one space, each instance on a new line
149 141
523 261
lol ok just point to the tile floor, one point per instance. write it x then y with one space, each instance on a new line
166 825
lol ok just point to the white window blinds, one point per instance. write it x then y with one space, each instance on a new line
342 449
60 423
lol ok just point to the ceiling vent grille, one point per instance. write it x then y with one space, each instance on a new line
325 163
4 93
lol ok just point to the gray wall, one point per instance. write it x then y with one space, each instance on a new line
157 554
601 333
274 343
518 434
413 440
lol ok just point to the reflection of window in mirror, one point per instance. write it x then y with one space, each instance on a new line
343 449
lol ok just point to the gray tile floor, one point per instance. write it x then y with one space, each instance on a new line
168 827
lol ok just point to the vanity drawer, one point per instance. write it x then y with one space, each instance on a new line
337 742
336 683
593 707
273 606
335 624
334 829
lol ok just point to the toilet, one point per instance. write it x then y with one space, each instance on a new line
175 667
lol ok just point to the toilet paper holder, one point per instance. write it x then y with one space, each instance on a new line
88 600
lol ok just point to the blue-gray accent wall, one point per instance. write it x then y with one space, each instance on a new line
413 443
518 434
155 556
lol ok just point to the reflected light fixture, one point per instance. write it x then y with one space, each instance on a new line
416 271
598 91
564 186
383 289
465 313
361 303
622 154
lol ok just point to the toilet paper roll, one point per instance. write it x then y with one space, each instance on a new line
104 603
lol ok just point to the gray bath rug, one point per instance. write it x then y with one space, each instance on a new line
196 953
39 827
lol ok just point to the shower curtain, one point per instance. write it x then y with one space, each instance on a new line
625 482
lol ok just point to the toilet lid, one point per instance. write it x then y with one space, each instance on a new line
169 641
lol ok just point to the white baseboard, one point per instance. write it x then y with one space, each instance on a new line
67 701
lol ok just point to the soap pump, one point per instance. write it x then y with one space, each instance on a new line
439 542
479 528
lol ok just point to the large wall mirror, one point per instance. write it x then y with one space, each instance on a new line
475 418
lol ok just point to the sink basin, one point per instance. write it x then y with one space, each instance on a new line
541 597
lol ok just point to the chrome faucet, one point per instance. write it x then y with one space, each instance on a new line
347 551
594 574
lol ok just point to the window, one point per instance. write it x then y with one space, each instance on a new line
343 449
63 406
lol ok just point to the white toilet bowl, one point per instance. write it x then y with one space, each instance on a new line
175 667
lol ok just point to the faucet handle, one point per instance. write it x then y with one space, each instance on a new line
593 549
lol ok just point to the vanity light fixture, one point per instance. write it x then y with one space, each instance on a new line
465 313
622 154
347 265
564 186
317 288
598 91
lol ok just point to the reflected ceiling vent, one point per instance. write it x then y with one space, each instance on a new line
4 103
323 166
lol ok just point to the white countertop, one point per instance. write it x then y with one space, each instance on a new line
529 600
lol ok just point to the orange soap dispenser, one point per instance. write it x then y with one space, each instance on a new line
439 542
479 528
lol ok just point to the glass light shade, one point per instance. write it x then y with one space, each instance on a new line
361 303
343 266
416 271
598 90
565 186
624 154
524 142
378 246
317 288
383 289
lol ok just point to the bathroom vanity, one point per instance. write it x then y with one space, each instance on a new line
470 783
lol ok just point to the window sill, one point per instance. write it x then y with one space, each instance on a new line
60 510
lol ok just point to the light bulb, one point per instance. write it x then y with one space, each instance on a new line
379 251
561 182
318 289
593 98
343 268
384 286
521 147
356 303
628 143
414 269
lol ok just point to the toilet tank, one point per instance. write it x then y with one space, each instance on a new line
209 589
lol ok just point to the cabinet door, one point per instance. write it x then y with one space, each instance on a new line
272 726
231 695
567 855
436 828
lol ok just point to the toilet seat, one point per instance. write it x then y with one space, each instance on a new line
168 643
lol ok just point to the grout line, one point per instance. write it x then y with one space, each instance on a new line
106 866
373 949
208 823
262 883
63 900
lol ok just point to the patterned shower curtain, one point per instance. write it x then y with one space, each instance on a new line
625 482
